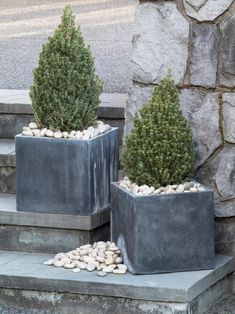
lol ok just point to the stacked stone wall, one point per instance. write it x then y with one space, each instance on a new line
196 40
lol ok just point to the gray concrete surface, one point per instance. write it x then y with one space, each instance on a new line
9 216
27 271
106 25
112 105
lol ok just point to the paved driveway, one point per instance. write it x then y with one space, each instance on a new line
107 26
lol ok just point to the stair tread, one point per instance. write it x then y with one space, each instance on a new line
10 216
18 102
27 271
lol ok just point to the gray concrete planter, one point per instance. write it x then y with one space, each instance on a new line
163 233
65 176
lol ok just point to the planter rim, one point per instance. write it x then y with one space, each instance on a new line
67 139
160 195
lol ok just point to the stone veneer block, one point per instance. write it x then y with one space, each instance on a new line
227 62
218 173
137 98
160 43
224 236
202 111
229 117
206 10
204 59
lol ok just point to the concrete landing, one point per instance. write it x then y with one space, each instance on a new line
26 270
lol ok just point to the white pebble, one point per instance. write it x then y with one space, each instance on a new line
58 263
76 270
79 135
91 267
33 125
49 133
58 135
109 261
119 271
180 188
50 262
69 265
43 132
36 132
65 134
118 260
82 265
59 255
27 132
85 137
122 266
101 273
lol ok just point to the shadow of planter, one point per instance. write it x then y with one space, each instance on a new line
64 175
163 233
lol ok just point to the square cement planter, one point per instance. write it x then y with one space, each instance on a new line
163 233
65 175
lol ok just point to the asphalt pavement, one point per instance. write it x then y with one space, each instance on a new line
107 26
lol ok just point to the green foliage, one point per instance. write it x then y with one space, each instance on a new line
65 92
159 149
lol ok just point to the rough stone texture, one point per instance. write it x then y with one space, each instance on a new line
202 111
137 97
41 302
7 179
227 62
48 240
225 176
218 173
224 236
224 306
206 10
204 59
229 117
11 124
161 34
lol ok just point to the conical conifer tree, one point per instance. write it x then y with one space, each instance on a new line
159 149
65 92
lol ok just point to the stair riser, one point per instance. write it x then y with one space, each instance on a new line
38 302
12 124
48 240
7 179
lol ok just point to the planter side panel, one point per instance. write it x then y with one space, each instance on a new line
52 175
103 168
174 232
122 223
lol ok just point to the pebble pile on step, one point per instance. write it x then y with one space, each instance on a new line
150 190
91 132
105 257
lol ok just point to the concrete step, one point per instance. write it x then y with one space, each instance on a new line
16 111
48 233
7 166
29 286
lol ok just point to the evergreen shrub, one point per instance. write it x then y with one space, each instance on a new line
159 150
65 91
